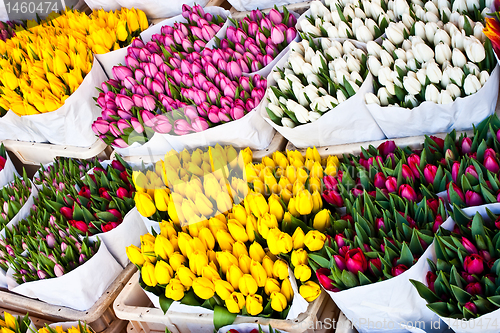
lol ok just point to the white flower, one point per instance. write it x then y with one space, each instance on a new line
333 76
472 5
349 12
371 98
445 97
325 43
276 76
431 17
458 39
373 48
450 28
471 84
307 69
441 36
475 51
335 16
333 52
332 32
341 74
313 79
458 59
296 61
358 54
407 21
383 95
282 100
376 11
322 92
412 64
401 7
340 96
454 90
313 116
422 52
483 77
344 30
420 29
411 99
455 17
422 76
391 88
300 112
461 21
339 64
459 6
358 12
317 62
272 97
416 40
446 64
431 7
374 65
411 85
309 54
287 122
284 85
371 25
419 12
478 32
394 33
434 72
348 47
444 4
386 58
412 74
457 75
385 75
443 53
473 68
356 77
305 44
388 46
400 54
318 9
401 64
406 45
444 11
311 92
321 104
356 23
308 28
338 45
297 47
363 34
431 93
354 86
445 78
297 89
430 31
278 112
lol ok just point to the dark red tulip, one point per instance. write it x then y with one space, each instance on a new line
330 182
430 278
399 269
356 261
117 165
386 148
333 197
322 275
474 288
379 180
391 184
466 145
414 163
473 199
67 212
375 262
437 223
103 192
473 264
471 307
406 191
430 173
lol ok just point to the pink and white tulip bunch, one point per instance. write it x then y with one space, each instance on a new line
256 41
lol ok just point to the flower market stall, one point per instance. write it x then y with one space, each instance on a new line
248 166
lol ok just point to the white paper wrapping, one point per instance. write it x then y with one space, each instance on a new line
148 224
107 5
246 328
392 301
127 233
13 127
65 325
111 59
3 12
246 5
348 122
22 214
157 145
159 8
8 172
78 289
430 118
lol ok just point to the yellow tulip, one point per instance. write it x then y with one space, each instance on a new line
247 285
10 80
317 202
183 242
268 162
148 247
267 264
163 248
175 290
163 272
280 269
225 260
284 243
234 274
239 249
225 240
265 223
258 273
286 289
237 230
177 260
203 288
310 291
322 220
214 224
207 238
304 202
299 257
244 262
314 240
223 289
186 276
254 304
272 285
224 202
275 207
148 274
286 195
292 204
162 199
278 301
302 272
134 254
210 273
314 184
235 302
10 320
272 240
240 214
257 204
313 154
298 238
251 227
247 155
256 252
197 261
144 204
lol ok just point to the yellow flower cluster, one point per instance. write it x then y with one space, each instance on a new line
81 328
8 323
42 66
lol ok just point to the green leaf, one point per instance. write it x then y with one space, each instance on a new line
461 295
222 317
425 292
441 308
406 257
165 303
323 262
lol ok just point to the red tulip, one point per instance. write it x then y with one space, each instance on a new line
386 148
399 269
2 162
333 197
437 223
431 278
322 275
457 190
471 307
116 213
391 184
407 173
122 193
343 250
473 264
375 262
407 192
469 247
356 261
473 199
467 277
330 182
379 180
379 223
340 262
103 192
80 225
67 212
414 163
85 192
430 173
454 171
474 288
438 141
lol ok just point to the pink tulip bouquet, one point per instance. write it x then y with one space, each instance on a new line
12 198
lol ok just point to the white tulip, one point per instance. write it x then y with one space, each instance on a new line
471 84
472 5
394 34
307 69
458 39
459 6
327 25
450 28
461 21
412 100
344 30
349 12
348 47
356 77
408 21
353 64
406 45
340 96
478 32
322 92
453 90
391 15
419 12
383 95
308 28
341 75
457 76
366 5
333 52
358 12
475 51
401 7
374 65
441 36
400 54
416 40
363 34
382 17
486 11
272 97
287 122
431 17
332 32
276 76
443 4
458 58
354 85
422 52
296 61
333 76
401 64
391 88
445 78
431 7
411 74
301 113
376 11
338 45
434 72
313 116
339 64
309 54
422 76
455 17
325 43
305 44
444 11
388 46
282 100
278 112
335 17
319 104
446 64
318 9
443 53
297 47
371 98
473 68
386 58
298 92
412 64
385 75
317 62
411 85
445 97
420 29
483 77
430 31
284 85
373 48
356 23
371 25
431 93
359 54
313 79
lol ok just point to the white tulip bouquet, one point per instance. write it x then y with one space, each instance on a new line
319 75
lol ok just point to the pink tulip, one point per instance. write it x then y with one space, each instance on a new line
469 246
199 124
100 126
121 72
237 113
473 199
466 145
162 125
182 127
356 261
340 262
266 24
379 180
153 47
333 197
386 148
124 102
148 118
179 36
491 164
291 34
149 103
471 170
275 16
457 190
207 32
430 173
256 15
210 70
391 184
277 36
330 182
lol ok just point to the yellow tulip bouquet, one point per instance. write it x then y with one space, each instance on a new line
80 328
14 324
43 65
210 247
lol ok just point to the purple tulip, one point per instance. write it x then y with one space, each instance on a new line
473 199
124 102
473 264
162 125
137 42
391 184
121 72
340 262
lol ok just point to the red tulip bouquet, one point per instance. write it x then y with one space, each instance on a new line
369 247
462 286
7 169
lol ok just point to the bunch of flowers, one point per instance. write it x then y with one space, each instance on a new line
464 281
80 328
7 29
256 41
363 21
319 76
43 66
12 324
376 240
3 156
62 170
429 61
13 197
